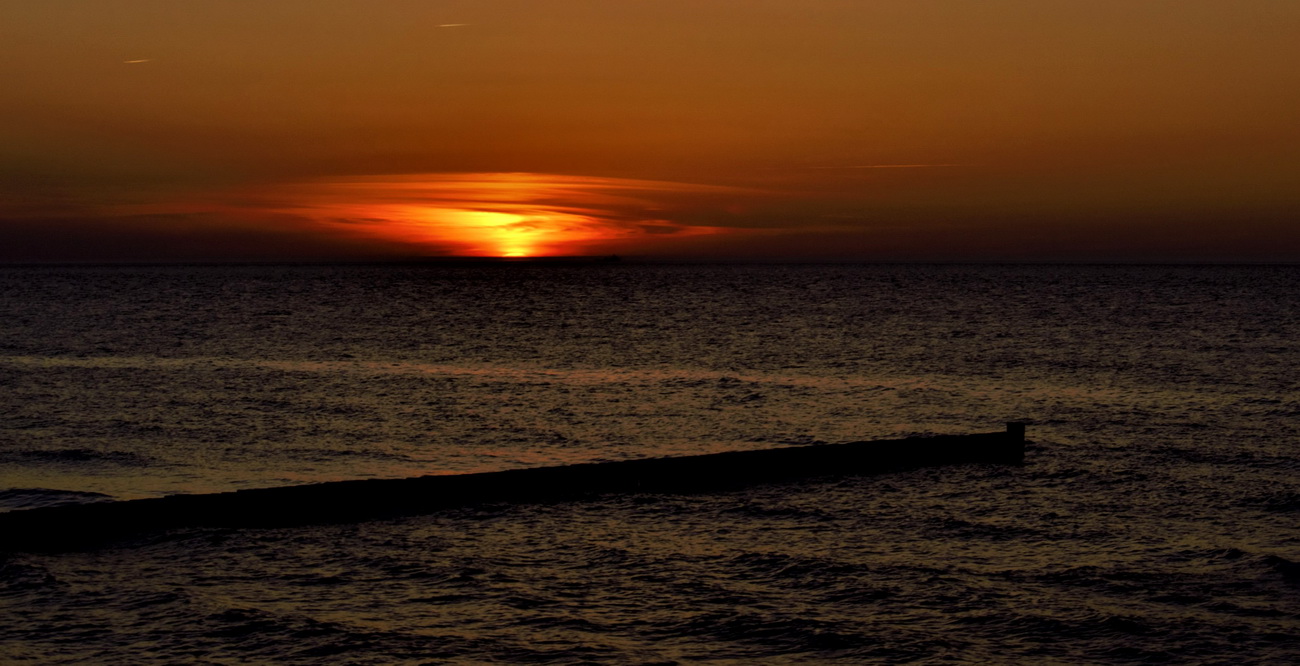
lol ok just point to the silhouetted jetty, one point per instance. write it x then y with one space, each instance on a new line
81 525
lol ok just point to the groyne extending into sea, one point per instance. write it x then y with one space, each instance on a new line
84 525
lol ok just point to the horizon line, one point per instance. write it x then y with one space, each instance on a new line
607 259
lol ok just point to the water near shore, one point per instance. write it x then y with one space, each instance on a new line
1156 519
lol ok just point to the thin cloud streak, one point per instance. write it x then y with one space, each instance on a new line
507 214
888 166
475 214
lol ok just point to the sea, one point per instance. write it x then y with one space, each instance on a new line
1156 518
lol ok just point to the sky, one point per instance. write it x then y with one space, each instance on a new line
817 130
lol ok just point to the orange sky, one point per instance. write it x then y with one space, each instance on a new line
820 129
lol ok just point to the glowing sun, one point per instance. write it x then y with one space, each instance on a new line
495 214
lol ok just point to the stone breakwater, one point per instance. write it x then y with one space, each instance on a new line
74 526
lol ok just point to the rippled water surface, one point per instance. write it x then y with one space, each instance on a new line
1156 519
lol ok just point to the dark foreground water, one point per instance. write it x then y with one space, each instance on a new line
1157 519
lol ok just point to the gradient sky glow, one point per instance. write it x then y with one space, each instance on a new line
155 130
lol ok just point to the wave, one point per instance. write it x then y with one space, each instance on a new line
18 576
77 456
1289 569
1281 501
804 570
765 633
31 498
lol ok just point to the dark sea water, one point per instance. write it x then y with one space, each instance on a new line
1157 518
